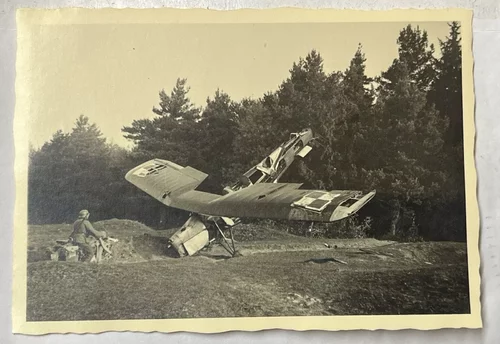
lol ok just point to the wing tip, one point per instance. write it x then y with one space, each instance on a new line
130 173
341 212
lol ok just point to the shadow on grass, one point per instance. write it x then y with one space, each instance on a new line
320 260
217 256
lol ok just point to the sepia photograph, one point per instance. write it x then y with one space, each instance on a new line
245 169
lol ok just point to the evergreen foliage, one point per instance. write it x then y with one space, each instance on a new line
400 133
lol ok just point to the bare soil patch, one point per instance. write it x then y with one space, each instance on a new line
385 278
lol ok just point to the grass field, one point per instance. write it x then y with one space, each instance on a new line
278 275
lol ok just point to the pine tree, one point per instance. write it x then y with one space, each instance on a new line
299 100
356 83
446 92
69 173
48 174
417 54
256 135
177 105
410 142
360 97
171 133
219 127
344 127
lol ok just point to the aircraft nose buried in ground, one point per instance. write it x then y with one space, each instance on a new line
257 194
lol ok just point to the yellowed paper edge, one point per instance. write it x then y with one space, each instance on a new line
28 17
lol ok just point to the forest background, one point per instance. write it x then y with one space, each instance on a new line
400 133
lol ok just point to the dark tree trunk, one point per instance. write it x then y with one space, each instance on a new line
396 215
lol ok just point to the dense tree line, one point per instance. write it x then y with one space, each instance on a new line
400 133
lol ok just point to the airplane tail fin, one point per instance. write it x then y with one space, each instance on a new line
161 178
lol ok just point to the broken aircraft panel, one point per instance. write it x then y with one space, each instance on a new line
271 168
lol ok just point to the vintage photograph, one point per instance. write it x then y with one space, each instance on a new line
200 170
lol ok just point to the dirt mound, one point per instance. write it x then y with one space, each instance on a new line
139 249
136 241
123 229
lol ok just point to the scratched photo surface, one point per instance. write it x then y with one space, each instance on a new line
239 170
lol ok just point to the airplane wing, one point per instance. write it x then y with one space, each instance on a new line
288 201
174 186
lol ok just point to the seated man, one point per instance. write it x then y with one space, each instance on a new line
83 231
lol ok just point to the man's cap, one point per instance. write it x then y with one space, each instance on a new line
83 213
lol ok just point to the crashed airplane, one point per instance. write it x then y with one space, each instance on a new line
257 194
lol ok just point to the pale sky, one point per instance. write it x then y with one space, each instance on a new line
113 73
